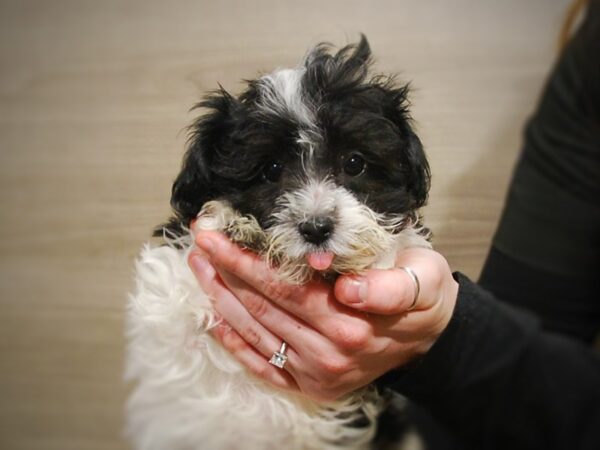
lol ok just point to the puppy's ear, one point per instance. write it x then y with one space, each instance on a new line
413 158
418 169
193 186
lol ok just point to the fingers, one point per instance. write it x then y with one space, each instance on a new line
245 265
238 317
251 359
297 333
252 270
342 331
312 304
251 342
263 324
393 291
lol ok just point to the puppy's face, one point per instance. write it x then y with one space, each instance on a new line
321 156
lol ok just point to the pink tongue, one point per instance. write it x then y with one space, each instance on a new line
320 260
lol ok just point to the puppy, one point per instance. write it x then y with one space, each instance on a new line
317 169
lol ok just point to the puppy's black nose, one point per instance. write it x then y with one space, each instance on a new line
317 230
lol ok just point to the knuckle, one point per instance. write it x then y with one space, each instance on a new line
276 290
353 336
252 337
360 337
334 366
438 269
443 271
257 307
259 371
233 342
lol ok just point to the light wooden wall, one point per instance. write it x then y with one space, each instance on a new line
93 101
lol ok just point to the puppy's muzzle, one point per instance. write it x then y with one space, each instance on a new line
316 230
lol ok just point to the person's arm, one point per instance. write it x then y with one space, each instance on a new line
545 253
499 382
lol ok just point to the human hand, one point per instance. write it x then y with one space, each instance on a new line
339 337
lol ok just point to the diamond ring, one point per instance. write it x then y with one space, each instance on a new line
279 357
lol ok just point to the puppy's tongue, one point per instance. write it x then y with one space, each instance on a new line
320 260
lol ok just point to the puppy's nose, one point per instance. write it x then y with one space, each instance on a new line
317 230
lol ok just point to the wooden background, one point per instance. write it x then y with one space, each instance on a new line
93 102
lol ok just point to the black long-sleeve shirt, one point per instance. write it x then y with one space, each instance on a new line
497 380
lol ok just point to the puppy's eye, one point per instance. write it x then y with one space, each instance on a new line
272 171
354 165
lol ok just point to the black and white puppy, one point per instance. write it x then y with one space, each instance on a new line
316 168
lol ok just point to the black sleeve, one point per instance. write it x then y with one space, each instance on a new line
499 382
546 251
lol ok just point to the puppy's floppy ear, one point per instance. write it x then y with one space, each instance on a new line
418 168
413 158
193 186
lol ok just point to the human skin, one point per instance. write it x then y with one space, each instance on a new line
340 337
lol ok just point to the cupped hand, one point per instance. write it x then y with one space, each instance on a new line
339 337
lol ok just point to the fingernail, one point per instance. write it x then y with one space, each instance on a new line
203 268
363 290
357 290
207 245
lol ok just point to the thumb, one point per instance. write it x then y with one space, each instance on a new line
393 291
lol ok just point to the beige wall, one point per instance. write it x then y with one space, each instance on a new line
93 100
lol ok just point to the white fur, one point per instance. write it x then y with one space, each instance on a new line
281 95
361 238
191 393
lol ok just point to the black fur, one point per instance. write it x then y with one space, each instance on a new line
230 145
